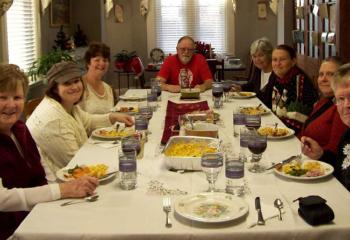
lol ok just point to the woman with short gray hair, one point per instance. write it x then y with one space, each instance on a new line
262 79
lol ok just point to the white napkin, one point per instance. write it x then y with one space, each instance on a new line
268 211
103 143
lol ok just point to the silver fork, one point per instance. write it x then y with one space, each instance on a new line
167 210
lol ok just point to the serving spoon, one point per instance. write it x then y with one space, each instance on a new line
91 198
279 205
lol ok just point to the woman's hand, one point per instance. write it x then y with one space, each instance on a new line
236 88
78 188
121 117
311 148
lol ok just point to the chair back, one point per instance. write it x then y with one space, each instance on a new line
217 68
30 106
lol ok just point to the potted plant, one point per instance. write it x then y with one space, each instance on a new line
43 64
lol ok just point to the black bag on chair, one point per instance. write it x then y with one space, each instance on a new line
314 210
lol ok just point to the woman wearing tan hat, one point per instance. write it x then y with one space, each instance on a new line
58 125
22 178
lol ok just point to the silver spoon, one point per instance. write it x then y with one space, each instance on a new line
91 198
279 205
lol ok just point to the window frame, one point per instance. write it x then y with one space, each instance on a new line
37 34
230 29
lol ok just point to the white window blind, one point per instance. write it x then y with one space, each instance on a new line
21 25
204 20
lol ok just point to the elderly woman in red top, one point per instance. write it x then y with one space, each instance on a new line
185 69
22 177
324 124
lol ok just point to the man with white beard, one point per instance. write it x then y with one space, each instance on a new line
185 69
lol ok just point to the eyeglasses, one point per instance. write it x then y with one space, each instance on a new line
186 49
341 100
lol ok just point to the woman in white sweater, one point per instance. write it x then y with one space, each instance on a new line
58 125
22 178
98 96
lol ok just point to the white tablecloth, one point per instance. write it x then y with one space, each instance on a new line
138 214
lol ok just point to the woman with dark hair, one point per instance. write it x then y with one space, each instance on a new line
262 78
98 96
324 124
58 125
22 177
293 93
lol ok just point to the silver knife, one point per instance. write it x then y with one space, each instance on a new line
282 162
261 220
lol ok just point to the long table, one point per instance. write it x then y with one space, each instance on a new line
138 214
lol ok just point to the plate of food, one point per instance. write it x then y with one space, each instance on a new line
304 170
132 97
126 109
211 207
254 110
273 132
111 133
100 171
242 95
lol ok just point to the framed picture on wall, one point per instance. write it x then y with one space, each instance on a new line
60 13
262 10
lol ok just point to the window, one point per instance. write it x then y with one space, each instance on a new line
22 33
205 20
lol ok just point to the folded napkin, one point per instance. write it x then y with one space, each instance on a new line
103 143
268 211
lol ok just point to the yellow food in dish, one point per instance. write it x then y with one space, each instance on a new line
98 171
189 149
307 169
114 133
273 132
252 110
243 94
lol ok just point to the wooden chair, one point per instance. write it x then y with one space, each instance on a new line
30 106
217 69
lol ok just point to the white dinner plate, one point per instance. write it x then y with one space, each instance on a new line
289 134
132 97
262 110
211 207
97 133
327 167
61 175
242 95
131 110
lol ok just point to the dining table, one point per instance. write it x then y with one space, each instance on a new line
139 214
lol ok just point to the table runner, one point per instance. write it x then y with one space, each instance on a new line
172 113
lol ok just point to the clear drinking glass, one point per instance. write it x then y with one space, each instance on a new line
146 112
156 87
253 121
234 173
238 123
227 84
244 134
211 165
257 145
217 91
152 99
130 144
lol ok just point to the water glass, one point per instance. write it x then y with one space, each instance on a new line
152 99
146 111
227 84
211 165
217 91
244 135
238 123
141 123
132 143
156 87
127 169
253 122
234 173
257 145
